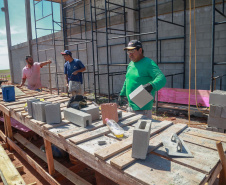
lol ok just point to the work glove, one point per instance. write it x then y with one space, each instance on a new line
120 100
148 87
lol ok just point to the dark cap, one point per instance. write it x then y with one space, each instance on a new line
133 44
66 52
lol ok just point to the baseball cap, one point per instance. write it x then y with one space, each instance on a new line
66 52
133 44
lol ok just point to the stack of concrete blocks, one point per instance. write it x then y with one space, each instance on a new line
140 96
39 108
77 117
30 106
217 116
141 137
53 113
93 110
109 110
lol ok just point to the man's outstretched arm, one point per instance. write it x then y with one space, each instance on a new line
45 63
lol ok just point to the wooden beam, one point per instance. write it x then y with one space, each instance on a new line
33 163
59 167
223 160
49 156
11 156
20 169
8 172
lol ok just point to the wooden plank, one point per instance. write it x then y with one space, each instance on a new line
101 131
11 156
4 110
8 172
59 167
212 178
126 159
33 163
127 143
207 134
208 143
20 169
223 160
95 125
9 127
2 135
204 159
49 157
160 171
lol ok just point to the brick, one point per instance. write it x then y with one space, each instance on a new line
215 111
141 137
218 98
109 110
39 108
223 113
216 122
53 114
140 96
93 110
77 117
29 106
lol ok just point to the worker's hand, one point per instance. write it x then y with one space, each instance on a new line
75 73
120 100
49 61
67 85
148 87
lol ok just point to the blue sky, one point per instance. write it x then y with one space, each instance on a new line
18 24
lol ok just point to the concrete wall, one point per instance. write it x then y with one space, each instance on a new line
172 50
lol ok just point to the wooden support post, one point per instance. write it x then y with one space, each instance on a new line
223 162
50 83
49 156
9 127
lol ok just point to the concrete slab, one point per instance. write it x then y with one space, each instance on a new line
53 114
93 110
141 137
140 96
77 117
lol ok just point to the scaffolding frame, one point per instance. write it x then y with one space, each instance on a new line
214 24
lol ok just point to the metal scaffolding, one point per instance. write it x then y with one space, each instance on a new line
214 24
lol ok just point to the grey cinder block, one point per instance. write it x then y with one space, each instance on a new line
93 110
39 108
141 137
53 114
29 106
216 122
80 118
223 113
218 98
140 96
215 111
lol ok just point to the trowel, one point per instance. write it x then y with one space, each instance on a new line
175 146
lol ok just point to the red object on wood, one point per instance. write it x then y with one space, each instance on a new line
109 110
180 96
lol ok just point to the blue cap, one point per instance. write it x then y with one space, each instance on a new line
66 52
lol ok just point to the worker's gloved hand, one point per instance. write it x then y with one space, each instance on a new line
120 100
148 87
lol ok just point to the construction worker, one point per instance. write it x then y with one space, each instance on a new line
31 73
141 71
73 69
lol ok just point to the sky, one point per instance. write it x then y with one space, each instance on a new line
18 24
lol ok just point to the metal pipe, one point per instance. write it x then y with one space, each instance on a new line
184 43
213 43
171 22
156 23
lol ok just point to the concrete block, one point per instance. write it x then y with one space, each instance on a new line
140 96
53 114
39 109
216 122
77 117
215 129
221 130
209 128
215 111
141 137
93 110
109 110
223 112
218 98
29 106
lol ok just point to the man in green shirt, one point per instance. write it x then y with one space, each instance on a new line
141 71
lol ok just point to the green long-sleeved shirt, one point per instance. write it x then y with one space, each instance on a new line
140 73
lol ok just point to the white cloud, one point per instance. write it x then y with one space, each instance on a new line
13 29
